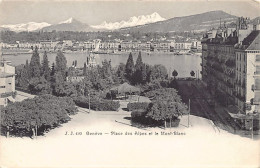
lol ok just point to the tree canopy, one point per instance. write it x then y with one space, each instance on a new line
45 111
166 104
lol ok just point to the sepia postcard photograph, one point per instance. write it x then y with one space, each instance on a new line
129 84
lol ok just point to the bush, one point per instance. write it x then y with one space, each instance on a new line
137 106
98 105
139 116
138 113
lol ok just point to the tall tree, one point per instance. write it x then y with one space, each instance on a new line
129 68
144 73
138 77
52 69
61 63
192 73
27 67
85 69
22 76
35 65
120 73
45 67
174 73
158 72
106 69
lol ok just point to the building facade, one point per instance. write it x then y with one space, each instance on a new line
231 65
7 82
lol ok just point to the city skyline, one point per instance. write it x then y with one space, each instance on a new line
94 13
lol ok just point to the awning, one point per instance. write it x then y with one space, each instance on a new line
11 99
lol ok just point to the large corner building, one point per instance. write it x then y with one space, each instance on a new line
231 65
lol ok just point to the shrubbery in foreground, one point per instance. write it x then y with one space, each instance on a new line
36 115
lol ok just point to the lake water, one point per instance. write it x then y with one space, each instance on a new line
182 63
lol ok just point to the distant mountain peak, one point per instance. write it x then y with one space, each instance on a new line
132 21
30 26
197 23
70 20
70 24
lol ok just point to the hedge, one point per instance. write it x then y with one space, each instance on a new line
138 113
137 106
97 105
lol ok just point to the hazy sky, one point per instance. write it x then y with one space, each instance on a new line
95 12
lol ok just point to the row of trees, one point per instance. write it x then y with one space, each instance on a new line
39 78
141 73
37 115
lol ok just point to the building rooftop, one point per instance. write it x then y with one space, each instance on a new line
252 40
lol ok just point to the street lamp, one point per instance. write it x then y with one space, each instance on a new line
89 101
189 115
252 126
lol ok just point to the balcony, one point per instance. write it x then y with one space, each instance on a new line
243 84
241 98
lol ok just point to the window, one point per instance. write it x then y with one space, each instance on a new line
257 84
2 86
257 58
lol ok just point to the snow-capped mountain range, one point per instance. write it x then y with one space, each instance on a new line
31 26
73 23
143 23
133 21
